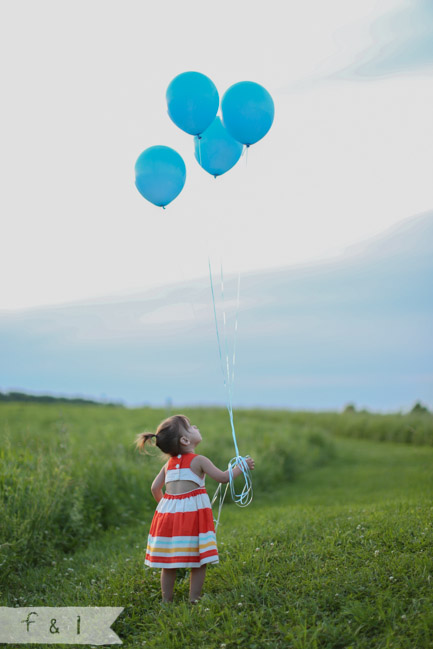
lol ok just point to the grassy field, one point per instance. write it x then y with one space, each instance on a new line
334 551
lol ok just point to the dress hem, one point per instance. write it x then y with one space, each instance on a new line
182 564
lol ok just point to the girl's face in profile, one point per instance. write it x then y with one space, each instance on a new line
194 434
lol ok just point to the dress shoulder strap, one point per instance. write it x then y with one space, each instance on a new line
187 458
182 459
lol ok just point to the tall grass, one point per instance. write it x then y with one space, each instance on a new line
413 428
69 473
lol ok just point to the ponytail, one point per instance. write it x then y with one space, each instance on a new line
141 440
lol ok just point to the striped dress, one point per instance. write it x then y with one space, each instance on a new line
182 532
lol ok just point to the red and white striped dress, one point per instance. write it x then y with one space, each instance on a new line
182 532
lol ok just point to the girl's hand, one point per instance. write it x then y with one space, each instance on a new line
250 462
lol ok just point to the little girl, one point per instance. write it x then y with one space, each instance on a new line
182 533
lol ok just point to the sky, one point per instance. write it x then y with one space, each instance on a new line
356 329
349 154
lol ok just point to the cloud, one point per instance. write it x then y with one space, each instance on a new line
401 43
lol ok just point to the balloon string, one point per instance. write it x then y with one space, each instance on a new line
236 329
245 497
230 381
229 385
216 327
199 148
226 378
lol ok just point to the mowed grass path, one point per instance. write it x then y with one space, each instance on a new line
340 558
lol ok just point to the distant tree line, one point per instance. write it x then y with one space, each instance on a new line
418 408
21 396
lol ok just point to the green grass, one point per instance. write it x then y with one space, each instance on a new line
334 551
413 428
69 473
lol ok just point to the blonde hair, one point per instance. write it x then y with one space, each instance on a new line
167 435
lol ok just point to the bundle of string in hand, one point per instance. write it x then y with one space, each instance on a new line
243 498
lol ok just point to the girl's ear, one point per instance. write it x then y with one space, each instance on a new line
184 440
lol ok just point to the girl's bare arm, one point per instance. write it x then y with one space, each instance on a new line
220 476
158 483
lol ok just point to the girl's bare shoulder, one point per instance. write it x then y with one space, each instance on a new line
197 463
206 466
200 458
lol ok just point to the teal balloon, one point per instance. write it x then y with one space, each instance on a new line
248 111
192 102
160 174
217 151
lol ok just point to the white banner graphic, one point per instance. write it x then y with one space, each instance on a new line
59 624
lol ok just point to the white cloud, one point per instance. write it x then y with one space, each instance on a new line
400 43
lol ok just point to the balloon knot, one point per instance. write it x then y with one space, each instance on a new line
163 207
199 137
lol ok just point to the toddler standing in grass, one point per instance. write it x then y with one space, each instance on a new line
182 532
